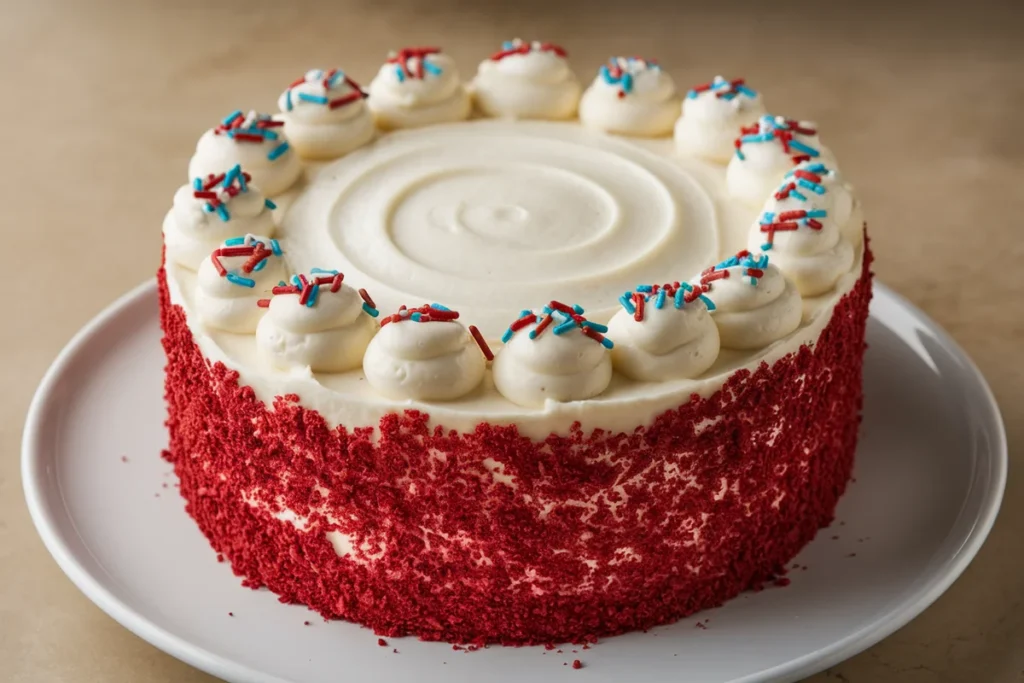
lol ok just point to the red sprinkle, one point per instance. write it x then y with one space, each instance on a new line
481 342
382 642
366 297
577 664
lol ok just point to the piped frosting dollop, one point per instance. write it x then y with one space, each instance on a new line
210 210
765 151
664 332
232 280
713 114
256 142
755 304
317 323
417 87
425 354
527 80
554 354
325 114
631 96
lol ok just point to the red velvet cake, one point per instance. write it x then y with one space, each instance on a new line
511 361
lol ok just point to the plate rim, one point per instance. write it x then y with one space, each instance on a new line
34 478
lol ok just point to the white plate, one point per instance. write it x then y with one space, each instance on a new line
930 473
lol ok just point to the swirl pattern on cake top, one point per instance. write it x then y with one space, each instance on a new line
527 80
554 354
713 114
755 304
417 87
631 96
210 210
316 324
233 279
325 114
256 142
426 354
664 332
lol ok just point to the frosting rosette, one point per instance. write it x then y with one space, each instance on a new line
554 354
818 186
257 143
713 114
631 96
765 151
233 279
325 114
664 332
317 323
799 228
755 304
424 354
210 210
418 87
527 80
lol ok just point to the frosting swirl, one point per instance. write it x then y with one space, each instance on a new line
209 211
765 151
232 281
316 324
799 227
825 188
527 81
713 113
754 304
664 332
424 354
325 115
631 96
255 141
418 87
553 355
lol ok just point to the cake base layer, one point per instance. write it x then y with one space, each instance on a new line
492 537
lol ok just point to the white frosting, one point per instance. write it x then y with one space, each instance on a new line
224 304
712 119
631 97
757 167
815 254
424 361
527 81
400 98
567 366
325 116
330 336
670 342
751 313
838 198
274 166
192 231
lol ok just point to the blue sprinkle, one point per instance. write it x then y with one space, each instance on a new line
322 271
432 68
606 75
692 95
222 211
370 310
266 133
507 45
564 327
239 280
813 187
315 99
578 309
739 155
282 283
313 294
816 213
415 317
230 176
296 281
627 82
766 246
275 247
508 335
646 289
260 266
596 326
767 217
278 151
816 168
400 72
607 343
439 307
197 185
728 96
708 302
802 197
525 311
288 99
746 91
234 242
269 204
806 149
338 75
659 301
627 303
757 137
547 310
231 117
678 298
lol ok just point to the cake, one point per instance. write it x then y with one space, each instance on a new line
512 360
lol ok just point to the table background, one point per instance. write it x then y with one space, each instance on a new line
104 102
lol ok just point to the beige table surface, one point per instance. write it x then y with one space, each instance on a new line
104 103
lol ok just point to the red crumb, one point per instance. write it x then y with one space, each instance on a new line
577 664
164 484
458 647
852 555
231 614
782 582
701 626
382 642
549 646
124 458
156 495
835 538
395 650
305 623
585 646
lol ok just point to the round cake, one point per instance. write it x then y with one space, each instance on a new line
512 360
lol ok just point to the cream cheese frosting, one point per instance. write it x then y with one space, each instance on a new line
254 141
664 332
755 304
325 114
210 210
424 354
554 354
631 96
766 151
232 280
418 87
527 80
713 115
316 324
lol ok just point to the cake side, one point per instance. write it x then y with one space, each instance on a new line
485 535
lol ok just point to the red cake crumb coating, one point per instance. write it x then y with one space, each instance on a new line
603 533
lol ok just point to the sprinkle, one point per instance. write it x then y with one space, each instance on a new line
269 204
239 280
277 151
523 322
543 325
370 310
404 58
520 47
627 302
479 338
598 337
659 301
638 301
